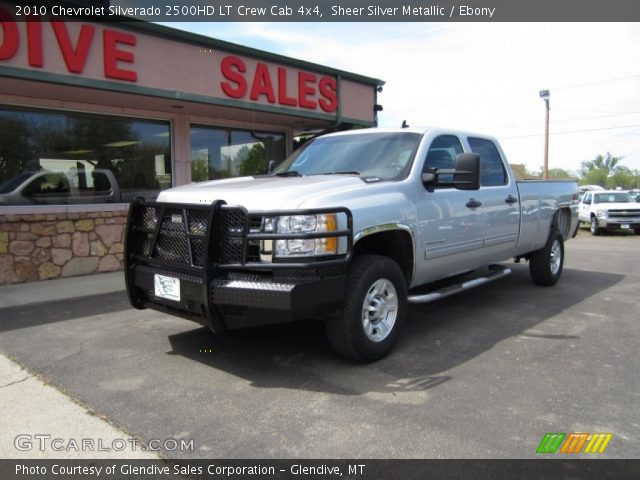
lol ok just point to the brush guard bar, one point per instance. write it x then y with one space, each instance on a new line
214 250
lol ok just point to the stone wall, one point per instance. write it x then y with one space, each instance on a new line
53 245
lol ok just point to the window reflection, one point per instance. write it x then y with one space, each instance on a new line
222 153
65 157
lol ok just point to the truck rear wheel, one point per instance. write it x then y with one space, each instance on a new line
374 309
545 265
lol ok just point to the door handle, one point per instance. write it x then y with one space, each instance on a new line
473 203
511 199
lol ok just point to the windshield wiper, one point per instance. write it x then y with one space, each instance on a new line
288 173
346 172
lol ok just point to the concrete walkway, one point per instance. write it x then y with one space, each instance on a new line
49 290
37 420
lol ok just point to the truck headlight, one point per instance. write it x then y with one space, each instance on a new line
306 246
601 213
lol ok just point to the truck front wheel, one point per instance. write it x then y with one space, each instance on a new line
374 309
545 265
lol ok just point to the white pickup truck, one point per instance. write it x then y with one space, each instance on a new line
606 210
349 229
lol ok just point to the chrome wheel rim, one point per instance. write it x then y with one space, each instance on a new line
594 225
556 257
379 310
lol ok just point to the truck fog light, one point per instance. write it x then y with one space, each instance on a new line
317 246
295 247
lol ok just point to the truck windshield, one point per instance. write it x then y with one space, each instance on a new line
618 197
386 155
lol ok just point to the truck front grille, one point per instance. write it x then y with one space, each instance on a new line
624 213
200 237
181 235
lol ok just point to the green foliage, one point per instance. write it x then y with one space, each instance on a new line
254 161
608 163
596 176
560 173
608 172
623 177
199 167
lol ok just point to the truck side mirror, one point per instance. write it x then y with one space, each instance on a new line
466 175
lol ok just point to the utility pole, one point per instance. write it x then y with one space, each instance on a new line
545 95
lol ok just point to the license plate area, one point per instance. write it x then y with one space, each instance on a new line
624 226
166 287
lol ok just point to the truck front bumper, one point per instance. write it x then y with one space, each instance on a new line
192 261
237 303
610 223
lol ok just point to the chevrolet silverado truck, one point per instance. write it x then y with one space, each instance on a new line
55 187
606 210
350 229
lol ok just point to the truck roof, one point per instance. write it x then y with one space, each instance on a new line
421 130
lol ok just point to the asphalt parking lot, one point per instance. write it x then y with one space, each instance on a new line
484 374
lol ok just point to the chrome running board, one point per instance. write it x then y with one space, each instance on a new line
497 271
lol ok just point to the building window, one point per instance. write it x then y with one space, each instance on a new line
224 153
53 157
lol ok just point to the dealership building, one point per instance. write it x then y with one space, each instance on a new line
95 114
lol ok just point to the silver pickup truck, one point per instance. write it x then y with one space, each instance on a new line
349 229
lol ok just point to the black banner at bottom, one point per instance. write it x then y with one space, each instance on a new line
543 469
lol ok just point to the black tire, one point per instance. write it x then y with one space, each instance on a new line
595 229
545 265
347 332
637 230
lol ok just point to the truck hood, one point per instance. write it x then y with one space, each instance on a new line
632 207
263 192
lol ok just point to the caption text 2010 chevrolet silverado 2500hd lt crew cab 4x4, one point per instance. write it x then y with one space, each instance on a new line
349 229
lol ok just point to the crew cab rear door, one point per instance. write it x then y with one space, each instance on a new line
500 200
450 221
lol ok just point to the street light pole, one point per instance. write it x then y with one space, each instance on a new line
545 95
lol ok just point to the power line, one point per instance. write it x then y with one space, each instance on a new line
573 131
519 93
595 82
567 120
593 111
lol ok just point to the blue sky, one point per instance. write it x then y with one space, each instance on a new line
483 77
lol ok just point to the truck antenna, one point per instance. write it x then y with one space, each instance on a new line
404 124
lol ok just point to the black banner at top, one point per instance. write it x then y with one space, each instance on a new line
334 10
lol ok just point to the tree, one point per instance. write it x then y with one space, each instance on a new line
608 163
255 162
595 176
623 177
199 165
598 170
560 173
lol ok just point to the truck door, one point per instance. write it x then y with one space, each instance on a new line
500 202
450 221
585 205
